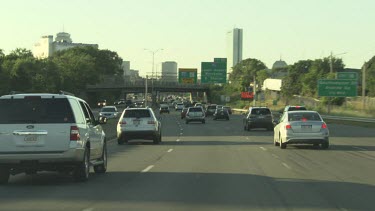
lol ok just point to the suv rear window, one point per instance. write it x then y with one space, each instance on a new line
137 113
35 110
260 111
197 109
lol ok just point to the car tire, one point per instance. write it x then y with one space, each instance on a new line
275 143
102 168
187 122
228 118
282 144
156 140
4 175
82 170
203 121
248 127
325 145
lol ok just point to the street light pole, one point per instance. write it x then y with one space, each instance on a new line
153 67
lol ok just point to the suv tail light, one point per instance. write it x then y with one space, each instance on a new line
324 126
122 123
74 133
288 126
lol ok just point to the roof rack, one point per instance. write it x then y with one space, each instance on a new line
65 93
15 92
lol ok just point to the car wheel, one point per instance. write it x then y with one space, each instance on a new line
120 141
248 127
204 122
102 168
82 170
228 118
187 122
4 175
325 145
282 144
156 140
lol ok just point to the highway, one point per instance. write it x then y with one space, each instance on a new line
212 166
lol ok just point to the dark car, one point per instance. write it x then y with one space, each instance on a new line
221 114
229 109
258 117
210 109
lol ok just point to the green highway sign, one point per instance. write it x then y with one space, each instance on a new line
214 72
337 88
187 75
347 75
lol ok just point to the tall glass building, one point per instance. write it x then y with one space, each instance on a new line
234 43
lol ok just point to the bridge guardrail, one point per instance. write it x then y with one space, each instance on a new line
343 118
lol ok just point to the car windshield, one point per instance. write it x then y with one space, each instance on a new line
137 114
108 110
260 111
303 117
26 111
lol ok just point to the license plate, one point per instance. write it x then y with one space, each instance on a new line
30 138
306 126
136 122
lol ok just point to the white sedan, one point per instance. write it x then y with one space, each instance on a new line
301 127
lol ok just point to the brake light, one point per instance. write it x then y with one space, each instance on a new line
74 133
151 122
288 126
297 106
324 126
122 123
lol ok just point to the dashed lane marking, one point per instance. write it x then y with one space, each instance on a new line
275 156
360 148
170 150
147 169
286 166
178 140
264 149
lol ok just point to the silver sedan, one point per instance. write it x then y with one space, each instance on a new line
301 127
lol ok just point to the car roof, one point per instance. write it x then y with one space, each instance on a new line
109 107
42 95
301 111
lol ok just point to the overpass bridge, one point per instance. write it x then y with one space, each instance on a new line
153 86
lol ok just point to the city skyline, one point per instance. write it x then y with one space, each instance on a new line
197 31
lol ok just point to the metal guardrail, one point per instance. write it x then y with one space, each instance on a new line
354 119
343 118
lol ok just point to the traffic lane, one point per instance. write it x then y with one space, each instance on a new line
233 177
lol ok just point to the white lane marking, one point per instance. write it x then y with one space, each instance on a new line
286 166
275 156
170 150
147 169
178 140
88 209
247 138
181 129
359 148
264 149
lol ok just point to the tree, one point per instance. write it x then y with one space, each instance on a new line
370 77
245 71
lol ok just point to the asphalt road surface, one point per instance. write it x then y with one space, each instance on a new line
212 166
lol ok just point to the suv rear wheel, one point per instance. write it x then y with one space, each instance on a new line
102 168
81 172
156 139
4 175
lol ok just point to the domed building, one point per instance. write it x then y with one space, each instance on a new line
279 65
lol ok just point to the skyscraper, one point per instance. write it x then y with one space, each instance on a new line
234 48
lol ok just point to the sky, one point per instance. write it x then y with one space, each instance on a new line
193 31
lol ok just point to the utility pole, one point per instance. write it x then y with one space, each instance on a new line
364 86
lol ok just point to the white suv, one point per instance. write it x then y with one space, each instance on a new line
138 123
49 132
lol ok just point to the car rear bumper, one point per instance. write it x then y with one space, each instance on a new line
145 134
307 140
71 155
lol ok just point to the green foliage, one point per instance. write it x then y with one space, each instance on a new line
245 71
370 77
70 70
